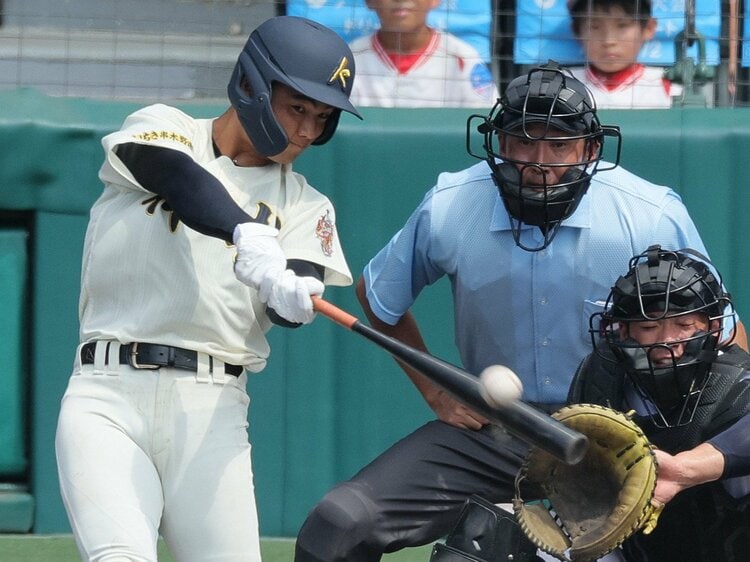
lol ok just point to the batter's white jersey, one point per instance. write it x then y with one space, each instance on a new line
450 73
642 87
182 295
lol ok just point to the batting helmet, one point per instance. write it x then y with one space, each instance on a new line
305 56
660 285
553 97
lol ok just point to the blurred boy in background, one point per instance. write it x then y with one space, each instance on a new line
407 63
612 33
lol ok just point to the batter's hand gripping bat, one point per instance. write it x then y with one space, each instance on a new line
525 422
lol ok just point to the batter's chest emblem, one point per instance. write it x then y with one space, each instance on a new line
264 214
152 204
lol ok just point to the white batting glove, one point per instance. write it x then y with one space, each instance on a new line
260 260
290 297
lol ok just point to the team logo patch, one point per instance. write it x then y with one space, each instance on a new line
482 80
324 232
341 74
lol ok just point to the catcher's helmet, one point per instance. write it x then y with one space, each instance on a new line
302 54
659 285
553 97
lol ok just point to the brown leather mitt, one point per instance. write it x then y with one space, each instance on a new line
583 511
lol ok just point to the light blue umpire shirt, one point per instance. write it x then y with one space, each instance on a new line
527 310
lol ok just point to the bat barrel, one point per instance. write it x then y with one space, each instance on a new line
524 421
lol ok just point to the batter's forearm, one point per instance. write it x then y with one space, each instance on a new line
196 197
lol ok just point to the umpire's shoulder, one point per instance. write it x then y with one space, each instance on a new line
468 178
622 183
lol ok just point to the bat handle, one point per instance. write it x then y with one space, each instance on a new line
333 312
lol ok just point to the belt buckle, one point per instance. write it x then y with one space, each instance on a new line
133 359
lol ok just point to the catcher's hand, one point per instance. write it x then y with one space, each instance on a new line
582 512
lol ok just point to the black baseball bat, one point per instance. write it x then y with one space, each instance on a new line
524 421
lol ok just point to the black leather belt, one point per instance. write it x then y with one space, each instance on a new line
152 356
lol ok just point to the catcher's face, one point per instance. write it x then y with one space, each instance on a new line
666 338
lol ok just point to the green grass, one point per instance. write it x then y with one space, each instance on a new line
62 548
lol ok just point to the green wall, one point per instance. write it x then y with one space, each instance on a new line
328 401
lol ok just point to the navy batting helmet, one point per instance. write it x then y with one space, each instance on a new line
553 97
666 285
301 54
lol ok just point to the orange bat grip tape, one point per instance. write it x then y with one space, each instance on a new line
334 313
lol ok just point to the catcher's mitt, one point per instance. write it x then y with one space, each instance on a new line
588 509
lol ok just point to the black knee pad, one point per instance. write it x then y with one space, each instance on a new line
337 529
485 533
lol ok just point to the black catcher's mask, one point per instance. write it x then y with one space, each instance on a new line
662 285
552 97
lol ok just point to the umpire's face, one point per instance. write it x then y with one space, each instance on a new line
546 156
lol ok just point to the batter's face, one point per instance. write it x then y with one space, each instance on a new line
552 149
302 119
612 39
402 16
673 332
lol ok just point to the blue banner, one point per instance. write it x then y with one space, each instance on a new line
543 32
746 33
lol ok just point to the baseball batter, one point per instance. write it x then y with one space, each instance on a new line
202 238
406 63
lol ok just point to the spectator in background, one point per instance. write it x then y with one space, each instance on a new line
612 33
406 63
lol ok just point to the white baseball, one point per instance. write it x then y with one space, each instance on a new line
499 385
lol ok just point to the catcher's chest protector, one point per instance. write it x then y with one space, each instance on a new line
724 401
704 524
600 382
701 524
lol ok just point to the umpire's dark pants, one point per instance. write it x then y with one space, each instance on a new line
412 494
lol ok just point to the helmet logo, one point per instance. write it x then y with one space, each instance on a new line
341 73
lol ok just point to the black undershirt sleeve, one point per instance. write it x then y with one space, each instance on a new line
195 196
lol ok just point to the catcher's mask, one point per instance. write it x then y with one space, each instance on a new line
302 54
662 285
564 106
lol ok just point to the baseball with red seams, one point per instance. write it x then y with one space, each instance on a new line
499 385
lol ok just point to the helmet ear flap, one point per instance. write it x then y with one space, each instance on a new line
254 108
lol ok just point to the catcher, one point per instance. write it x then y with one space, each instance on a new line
659 351
659 354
